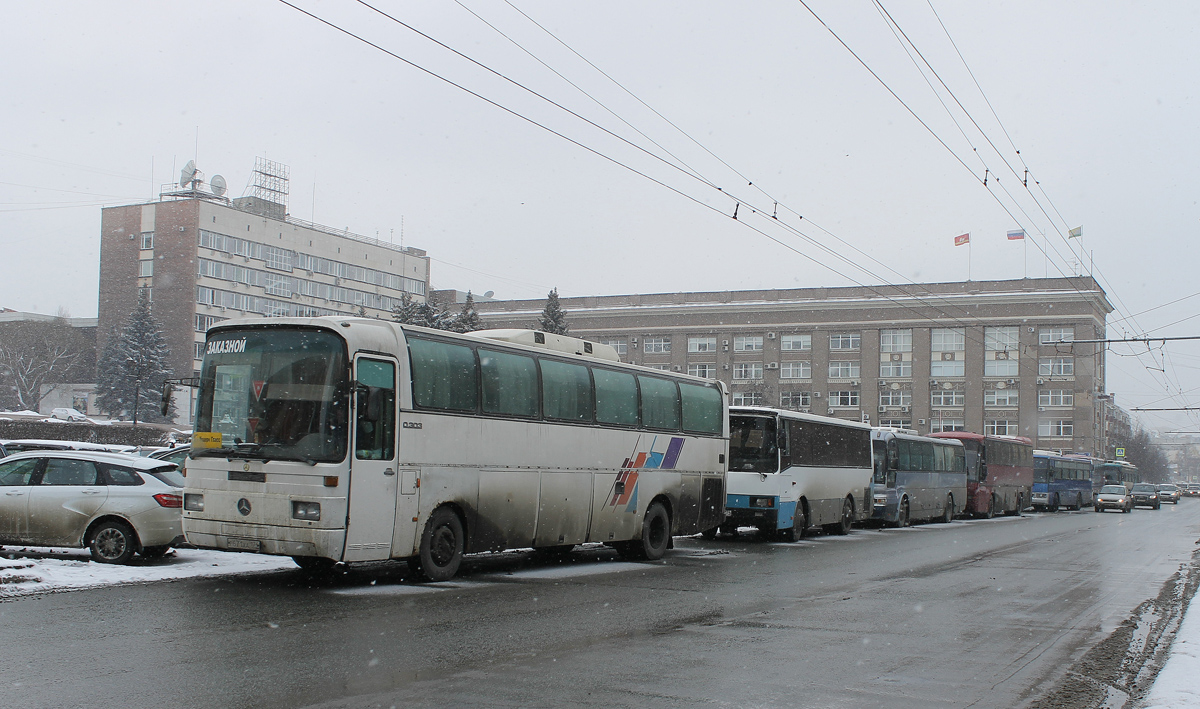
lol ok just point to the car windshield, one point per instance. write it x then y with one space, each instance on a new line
1113 490
1166 487
1143 487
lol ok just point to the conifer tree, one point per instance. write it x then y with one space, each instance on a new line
431 314
467 319
553 318
406 310
130 373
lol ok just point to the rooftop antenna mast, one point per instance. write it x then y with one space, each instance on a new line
271 183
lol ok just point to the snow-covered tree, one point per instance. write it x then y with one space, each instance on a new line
406 310
553 318
467 319
33 354
432 314
131 370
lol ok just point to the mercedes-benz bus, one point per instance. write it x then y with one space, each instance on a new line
790 471
342 439
999 473
916 477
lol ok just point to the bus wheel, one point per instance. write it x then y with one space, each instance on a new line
948 513
314 564
902 519
441 545
842 526
1078 503
991 510
710 534
656 536
1016 511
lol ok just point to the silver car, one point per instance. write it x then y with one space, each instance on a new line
113 504
1114 497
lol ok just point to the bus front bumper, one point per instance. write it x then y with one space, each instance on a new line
762 511
264 539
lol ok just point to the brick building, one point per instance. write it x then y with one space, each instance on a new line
986 356
205 259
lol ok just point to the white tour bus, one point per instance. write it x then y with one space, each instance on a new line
352 439
789 471
917 477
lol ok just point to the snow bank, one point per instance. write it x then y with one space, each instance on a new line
1176 686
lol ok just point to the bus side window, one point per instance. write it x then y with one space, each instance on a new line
510 384
566 391
616 398
660 403
444 376
375 438
701 408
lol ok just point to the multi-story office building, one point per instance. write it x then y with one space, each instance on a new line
988 356
204 259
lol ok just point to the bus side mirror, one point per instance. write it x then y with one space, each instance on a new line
893 456
168 388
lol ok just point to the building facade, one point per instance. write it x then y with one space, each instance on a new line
988 356
206 259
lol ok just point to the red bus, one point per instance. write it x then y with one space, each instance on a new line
999 473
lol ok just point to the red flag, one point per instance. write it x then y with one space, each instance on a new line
962 239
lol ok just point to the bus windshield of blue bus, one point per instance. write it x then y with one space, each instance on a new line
274 393
753 444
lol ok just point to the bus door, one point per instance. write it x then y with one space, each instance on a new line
373 477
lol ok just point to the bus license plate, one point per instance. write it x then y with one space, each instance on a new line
242 544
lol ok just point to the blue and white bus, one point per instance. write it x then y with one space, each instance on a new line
790 471
1115 472
1061 481
917 477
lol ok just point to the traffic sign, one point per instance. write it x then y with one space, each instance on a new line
1120 452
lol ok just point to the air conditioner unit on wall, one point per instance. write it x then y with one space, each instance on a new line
920 422
725 342
882 383
772 365
770 336
725 366
633 340
1012 381
854 382
882 409
1041 381
904 409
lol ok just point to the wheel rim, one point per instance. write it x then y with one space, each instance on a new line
443 546
657 533
111 543
847 514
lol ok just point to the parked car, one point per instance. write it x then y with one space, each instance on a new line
116 505
177 455
1145 495
68 414
1114 497
1169 492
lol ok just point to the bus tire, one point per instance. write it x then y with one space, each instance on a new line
1016 511
902 518
710 534
948 512
656 536
314 564
842 526
442 545
991 510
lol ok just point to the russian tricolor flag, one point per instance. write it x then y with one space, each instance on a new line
1016 235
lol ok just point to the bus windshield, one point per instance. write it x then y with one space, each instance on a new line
753 446
1041 470
275 393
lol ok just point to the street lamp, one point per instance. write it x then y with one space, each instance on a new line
137 369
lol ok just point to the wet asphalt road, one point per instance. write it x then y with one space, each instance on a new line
975 613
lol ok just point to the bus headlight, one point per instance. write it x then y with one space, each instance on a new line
765 502
193 502
310 511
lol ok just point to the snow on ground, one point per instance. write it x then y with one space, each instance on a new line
1177 686
26 571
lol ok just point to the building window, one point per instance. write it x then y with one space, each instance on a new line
795 343
659 367
702 344
707 371
747 398
203 322
748 370
845 341
1004 365
844 369
747 344
147 240
896 423
947 367
199 350
618 345
278 258
1000 427
145 268
795 370
1056 366
947 397
946 425
1059 428
1056 397
895 340
895 397
895 368
795 399
149 293
947 339
1052 335
657 344
275 284
1000 339
848 397
1000 397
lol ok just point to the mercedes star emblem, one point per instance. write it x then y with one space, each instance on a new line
244 506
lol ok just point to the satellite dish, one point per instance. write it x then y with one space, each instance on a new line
217 184
188 173
489 294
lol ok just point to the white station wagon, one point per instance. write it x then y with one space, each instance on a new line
113 504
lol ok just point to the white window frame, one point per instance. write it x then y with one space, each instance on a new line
898 340
845 342
656 345
1056 428
1001 398
147 240
896 423
1001 367
748 343
948 398
948 368
895 397
795 343
899 369
844 398
845 369
1055 334
619 345
946 425
948 339
1056 367
748 371
702 344
747 398
146 268
705 371
795 399
1056 397
1000 427
1001 338
795 370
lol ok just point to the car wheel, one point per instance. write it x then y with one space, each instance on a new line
710 534
113 542
1097 508
442 545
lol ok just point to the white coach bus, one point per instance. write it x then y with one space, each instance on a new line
351 439
789 471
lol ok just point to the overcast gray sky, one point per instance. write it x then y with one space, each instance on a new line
104 103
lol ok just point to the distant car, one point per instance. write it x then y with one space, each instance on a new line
1169 492
1114 497
1193 489
113 504
1145 495
68 414
177 455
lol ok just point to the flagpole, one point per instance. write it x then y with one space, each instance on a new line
1025 242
